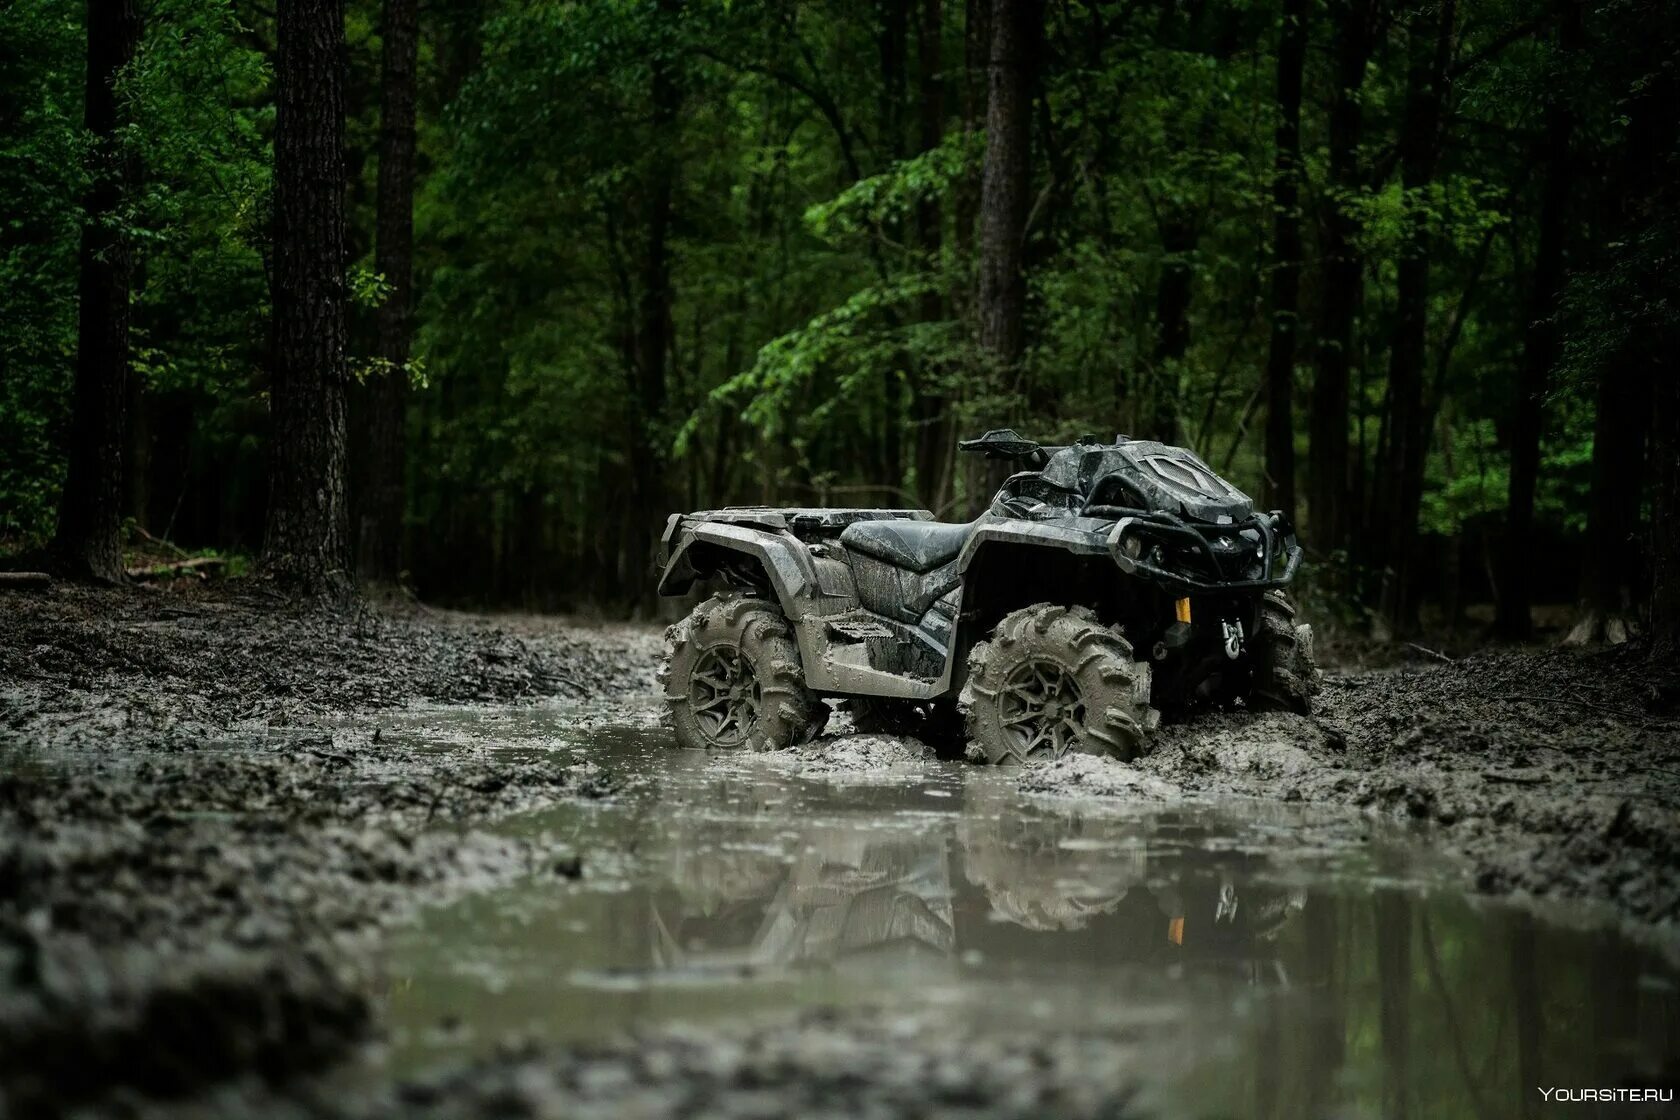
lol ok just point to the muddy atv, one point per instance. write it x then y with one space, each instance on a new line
1105 584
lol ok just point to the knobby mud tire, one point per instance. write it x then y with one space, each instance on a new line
1112 716
1286 676
755 638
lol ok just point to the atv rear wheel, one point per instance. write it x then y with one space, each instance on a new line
1285 674
1051 680
733 679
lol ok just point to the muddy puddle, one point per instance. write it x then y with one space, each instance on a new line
1249 959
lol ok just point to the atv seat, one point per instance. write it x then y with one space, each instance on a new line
919 546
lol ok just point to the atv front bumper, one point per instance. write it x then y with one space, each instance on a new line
1143 544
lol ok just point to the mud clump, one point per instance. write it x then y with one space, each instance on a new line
1554 773
195 853
78 1022
1087 775
221 655
842 756
185 918
822 1063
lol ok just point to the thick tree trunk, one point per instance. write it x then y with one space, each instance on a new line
1172 323
1540 347
1343 283
86 545
931 408
306 543
380 551
894 43
1430 50
1286 268
1608 580
1665 516
1017 27
653 333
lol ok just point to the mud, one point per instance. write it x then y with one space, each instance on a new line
196 852
1555 774
208 827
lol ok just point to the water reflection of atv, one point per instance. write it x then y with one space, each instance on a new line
850 897
1095 877
1105 583
860 898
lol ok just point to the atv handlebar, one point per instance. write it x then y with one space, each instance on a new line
1145 523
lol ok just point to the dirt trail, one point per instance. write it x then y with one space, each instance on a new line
1556 773
197 859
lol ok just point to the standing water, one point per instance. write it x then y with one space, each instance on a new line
1258 960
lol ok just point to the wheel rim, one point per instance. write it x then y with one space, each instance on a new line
724 692
1041 709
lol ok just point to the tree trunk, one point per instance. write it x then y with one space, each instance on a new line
1286 269
1665 515
931 408
306 542
380 555
1017 27
894 43
1623 415
1344 272
1540 347
86 545
1430 51
653 332
1172 322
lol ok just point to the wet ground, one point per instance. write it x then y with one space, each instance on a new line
1247 959
263 861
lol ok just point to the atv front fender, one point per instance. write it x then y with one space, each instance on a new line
1070 537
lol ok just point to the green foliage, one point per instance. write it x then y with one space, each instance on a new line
820 264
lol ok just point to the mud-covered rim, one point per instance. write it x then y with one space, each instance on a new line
1040 706
724 694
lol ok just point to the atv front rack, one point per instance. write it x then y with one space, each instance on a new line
1136 530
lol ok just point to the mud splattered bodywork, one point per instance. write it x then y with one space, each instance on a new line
1143 538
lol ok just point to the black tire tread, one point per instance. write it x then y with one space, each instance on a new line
757 628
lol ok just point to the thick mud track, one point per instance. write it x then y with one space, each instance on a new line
1555 773
199 851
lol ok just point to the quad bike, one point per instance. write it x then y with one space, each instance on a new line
1105 584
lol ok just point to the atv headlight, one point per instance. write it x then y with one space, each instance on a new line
1133 547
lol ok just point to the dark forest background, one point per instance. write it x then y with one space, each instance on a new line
472 293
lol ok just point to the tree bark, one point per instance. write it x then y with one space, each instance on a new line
1017 27
931 408
894 43
86 544
1343 282
1540 347
1286 268
1430 51
1622 418
653 330
1665 516
380 551
306 543
1172 322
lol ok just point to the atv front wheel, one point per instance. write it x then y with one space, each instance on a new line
733 679
1052 680
1285 674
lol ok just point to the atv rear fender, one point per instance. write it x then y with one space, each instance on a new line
703 548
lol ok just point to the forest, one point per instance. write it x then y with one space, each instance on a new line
469 295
